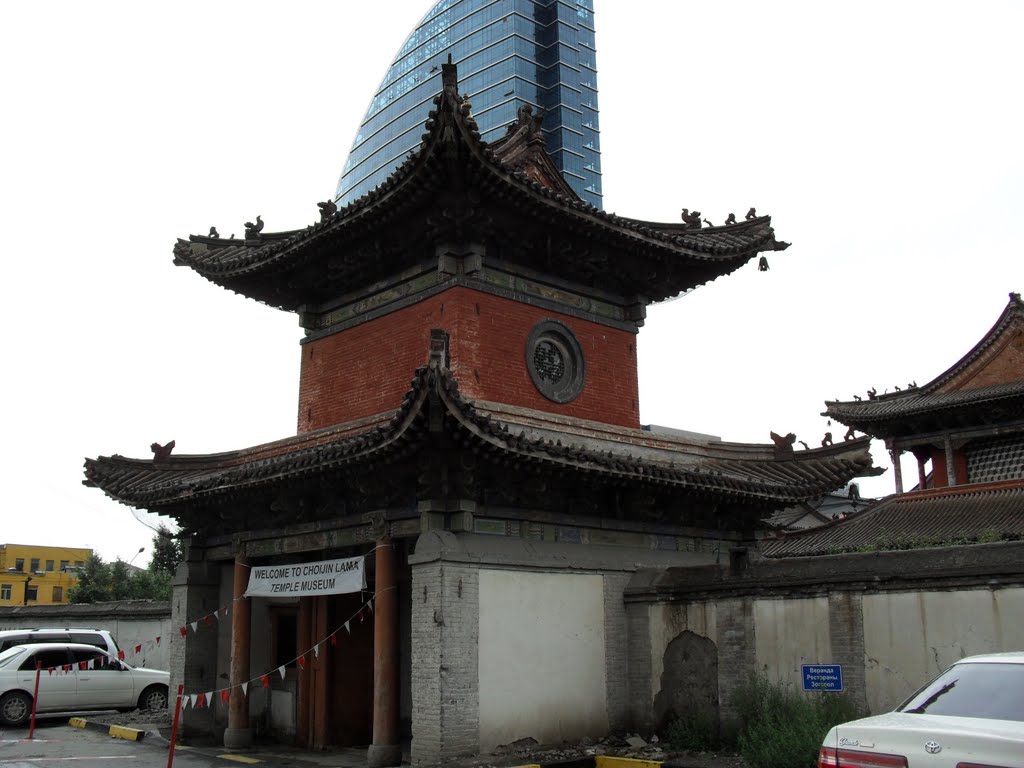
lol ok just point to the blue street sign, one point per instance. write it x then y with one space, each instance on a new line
822 677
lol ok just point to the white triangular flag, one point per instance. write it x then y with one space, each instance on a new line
209 699
316 650
370 605
281 670
192 699
347 629
216 615
195 626
245 689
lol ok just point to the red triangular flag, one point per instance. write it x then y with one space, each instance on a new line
82 665
67 667
265 680
206 619
334 640
50 670
138 648
225 695
183 631
158 639
302 661
120 654
201 700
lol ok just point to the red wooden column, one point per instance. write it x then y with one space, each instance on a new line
386 749
237 735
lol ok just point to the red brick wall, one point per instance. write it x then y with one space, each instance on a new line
366 369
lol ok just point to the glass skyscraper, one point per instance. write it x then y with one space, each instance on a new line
509 53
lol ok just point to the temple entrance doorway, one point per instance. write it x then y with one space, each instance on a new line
335 696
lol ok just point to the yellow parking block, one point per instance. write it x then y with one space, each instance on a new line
240 759
607 761
129 734
77 722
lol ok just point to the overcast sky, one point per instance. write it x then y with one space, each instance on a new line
884 138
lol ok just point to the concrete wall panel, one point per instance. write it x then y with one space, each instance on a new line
909 637
789 633
542 657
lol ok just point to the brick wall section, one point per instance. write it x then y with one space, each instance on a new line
194 657
366 369
736 655
445 662
846 634
640 667
616 652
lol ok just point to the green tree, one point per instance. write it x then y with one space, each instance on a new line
93 582
166 552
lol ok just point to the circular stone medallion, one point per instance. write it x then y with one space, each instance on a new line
555 361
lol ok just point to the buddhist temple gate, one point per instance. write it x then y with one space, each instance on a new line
469 423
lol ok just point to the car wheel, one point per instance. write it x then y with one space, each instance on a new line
15 708
154 697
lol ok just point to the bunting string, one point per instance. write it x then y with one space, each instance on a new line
205 698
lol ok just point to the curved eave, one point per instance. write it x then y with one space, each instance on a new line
889 415
169 483
684 257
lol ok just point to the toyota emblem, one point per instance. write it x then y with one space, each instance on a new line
932 747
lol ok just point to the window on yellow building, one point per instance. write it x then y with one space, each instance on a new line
79 563
35 565
64 564
49 565
31 594
5 591
58 594
19 564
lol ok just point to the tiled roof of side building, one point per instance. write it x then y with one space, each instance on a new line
990 376
941 516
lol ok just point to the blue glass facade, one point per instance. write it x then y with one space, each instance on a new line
509 52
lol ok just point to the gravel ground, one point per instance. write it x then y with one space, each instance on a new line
517 753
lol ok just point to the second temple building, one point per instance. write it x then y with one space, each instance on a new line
469 431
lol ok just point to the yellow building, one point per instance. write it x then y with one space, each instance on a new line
38 575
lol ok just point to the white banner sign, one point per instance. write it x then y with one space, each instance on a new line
326 577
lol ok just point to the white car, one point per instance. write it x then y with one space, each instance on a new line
74 677
970 716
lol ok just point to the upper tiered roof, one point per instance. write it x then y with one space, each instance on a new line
458 189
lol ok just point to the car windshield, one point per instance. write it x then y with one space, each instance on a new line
991 691
9 655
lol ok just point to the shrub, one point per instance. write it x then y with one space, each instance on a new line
784 728
696 730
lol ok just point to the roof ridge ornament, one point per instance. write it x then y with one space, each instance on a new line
253 229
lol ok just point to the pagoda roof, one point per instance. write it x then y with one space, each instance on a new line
986 386
456 188
934 517
755 474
